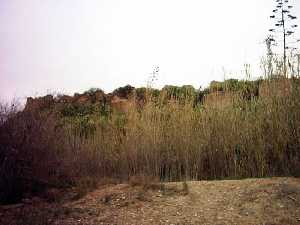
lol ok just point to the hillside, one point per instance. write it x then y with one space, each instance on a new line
120 98
272 201
61 154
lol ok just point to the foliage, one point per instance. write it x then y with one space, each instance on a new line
92 91
123 92
70 110
184 92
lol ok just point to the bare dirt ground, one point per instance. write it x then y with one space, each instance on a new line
272 201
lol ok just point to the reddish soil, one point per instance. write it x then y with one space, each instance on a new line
272 201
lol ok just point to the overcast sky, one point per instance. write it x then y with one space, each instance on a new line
70 46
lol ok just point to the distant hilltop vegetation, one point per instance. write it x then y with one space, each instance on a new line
94 96
122 98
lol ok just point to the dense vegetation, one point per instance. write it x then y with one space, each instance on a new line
233 129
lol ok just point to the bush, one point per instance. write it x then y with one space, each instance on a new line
31 146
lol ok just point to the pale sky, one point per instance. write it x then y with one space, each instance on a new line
69 46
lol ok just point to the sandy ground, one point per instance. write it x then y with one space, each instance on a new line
271 201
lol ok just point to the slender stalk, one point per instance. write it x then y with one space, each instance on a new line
284 41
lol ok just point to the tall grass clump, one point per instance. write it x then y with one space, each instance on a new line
245 132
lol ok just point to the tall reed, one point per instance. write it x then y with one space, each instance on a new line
228 134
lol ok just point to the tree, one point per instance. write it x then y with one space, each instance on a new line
284 24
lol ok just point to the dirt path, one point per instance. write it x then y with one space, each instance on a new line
273 201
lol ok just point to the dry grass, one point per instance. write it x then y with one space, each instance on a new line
175 140
169 139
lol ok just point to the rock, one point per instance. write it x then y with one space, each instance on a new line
83 100
122 99
106 199
38 104
65 99
99 96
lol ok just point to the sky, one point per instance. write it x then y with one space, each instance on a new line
67 46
